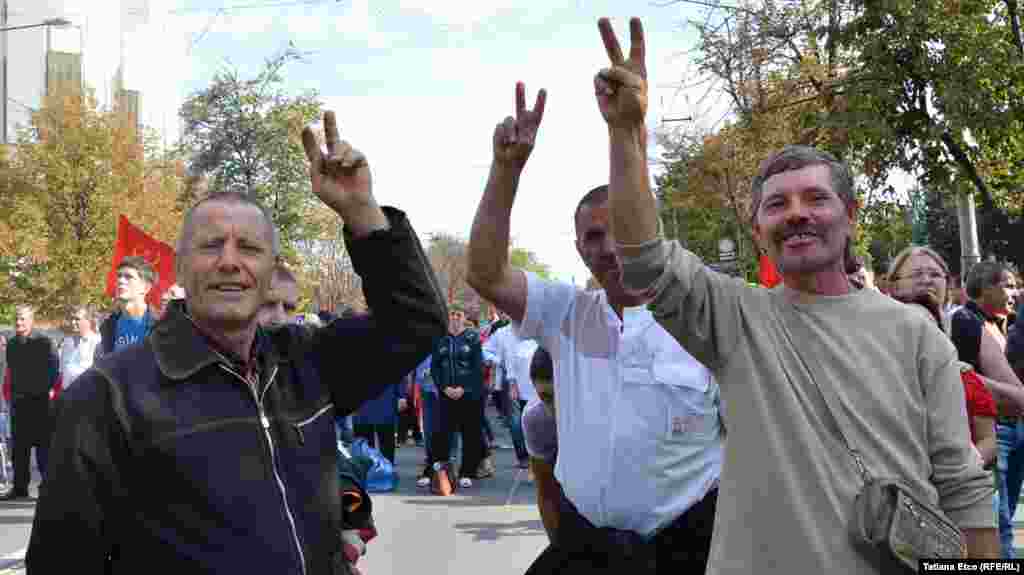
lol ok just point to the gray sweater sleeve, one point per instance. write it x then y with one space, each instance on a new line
965 489
697 305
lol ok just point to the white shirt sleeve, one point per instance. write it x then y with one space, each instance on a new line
491 349
547 305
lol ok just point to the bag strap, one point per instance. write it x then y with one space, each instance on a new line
792 326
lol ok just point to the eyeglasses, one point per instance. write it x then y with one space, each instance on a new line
918 275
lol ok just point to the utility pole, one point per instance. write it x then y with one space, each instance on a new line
967 220
3 68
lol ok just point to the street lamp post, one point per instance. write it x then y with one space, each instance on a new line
4 29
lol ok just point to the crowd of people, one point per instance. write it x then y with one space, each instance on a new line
675 418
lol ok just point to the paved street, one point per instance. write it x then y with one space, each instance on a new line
493 528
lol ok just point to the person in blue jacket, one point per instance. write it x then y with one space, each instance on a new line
377 419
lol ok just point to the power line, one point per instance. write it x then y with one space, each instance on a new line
253 6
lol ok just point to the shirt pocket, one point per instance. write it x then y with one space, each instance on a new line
691 410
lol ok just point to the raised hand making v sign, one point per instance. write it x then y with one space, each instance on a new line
341 179
489 272
622 89
514 138
621 93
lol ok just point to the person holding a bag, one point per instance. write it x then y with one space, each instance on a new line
842 403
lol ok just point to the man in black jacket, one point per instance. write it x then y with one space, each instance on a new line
210 448
456 365
32 359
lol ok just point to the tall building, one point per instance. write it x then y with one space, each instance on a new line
60 61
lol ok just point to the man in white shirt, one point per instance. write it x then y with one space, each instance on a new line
500 351
77 351
640 441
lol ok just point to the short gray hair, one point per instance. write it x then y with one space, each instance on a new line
187 225
90 314
795 157
31 311
984 275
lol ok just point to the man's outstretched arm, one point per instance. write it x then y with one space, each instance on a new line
621 92
696 305
490 272
407 307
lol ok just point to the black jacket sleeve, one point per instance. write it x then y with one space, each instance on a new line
71 531
408 314
52 362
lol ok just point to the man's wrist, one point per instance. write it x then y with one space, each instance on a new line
635 134
363 218
506 171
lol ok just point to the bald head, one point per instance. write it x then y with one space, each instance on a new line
282 300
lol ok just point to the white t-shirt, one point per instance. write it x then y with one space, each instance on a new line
76 355
639 434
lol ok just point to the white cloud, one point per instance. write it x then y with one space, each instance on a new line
459 13
427 121
431 155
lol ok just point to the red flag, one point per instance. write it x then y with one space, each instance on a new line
767 275
132 241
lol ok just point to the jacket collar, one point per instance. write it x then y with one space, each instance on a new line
985 316
182 350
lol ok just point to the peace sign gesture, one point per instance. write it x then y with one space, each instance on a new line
514 138
341 177
621 90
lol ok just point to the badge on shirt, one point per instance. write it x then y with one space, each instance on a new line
678 425
686 426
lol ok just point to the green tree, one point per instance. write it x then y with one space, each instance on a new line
244 134
941 95
527 260
934 88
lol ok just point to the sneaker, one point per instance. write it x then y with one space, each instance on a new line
465 483
486 469
423 482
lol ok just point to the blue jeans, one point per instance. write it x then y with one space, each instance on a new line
1010 466
512 418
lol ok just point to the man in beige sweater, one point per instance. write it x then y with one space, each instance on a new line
788 484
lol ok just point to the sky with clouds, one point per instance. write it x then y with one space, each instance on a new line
418 85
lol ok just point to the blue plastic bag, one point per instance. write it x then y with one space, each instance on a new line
381 477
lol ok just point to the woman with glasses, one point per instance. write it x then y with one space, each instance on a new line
919 275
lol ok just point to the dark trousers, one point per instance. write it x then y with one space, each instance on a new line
31 426
486 431
580 547
385 440
407 421
461 415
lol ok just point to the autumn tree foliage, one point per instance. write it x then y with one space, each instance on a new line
63 185
931 88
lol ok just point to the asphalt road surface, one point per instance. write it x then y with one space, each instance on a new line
491 529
